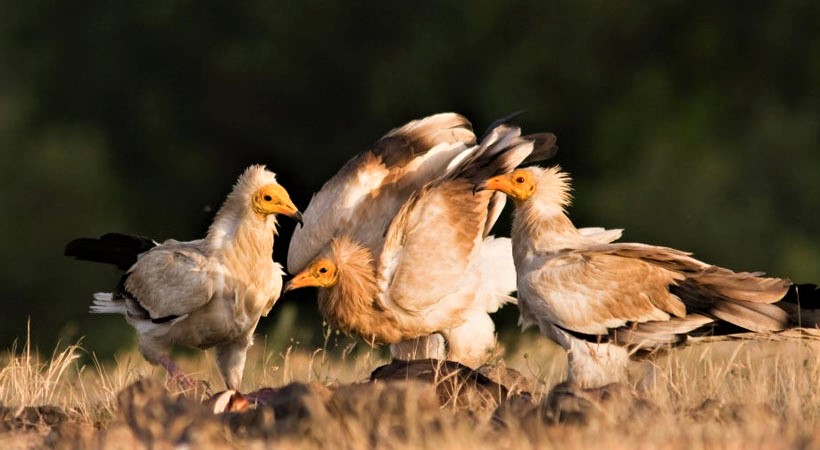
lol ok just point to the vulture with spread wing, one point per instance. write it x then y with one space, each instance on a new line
362 198
423 261
204 293
602 301
368 191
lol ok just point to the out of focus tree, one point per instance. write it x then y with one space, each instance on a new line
690 124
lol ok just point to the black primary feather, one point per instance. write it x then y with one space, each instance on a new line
118 249
806 295
506 120
544 147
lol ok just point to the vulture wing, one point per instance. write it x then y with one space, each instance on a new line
172 280
432 246
645 294
368 191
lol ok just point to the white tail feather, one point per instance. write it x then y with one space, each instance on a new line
104 304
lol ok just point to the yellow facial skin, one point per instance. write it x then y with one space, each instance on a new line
321 273
518 184
274 199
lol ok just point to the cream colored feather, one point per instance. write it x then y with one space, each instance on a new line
603 300
431 272
209 292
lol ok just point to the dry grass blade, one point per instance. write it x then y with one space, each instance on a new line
724 394
27 380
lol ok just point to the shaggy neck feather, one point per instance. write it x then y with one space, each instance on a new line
540 223
352 304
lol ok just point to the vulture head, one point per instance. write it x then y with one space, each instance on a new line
519 184
321 273
258 191
548 187
274 199
344 271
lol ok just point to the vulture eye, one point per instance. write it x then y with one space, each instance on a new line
267 198
323 270
519 179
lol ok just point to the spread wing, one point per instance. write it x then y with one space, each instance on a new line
367 192
171 280
431 245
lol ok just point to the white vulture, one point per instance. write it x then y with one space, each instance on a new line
604 302
365 194
204 293
430 266
362 198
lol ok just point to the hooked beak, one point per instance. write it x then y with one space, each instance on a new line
299 281
289 209
297 216
497 183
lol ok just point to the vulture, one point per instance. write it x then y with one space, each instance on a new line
605 301
422 261
204 293
365 194
362 198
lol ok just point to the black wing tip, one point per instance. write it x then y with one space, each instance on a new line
75 246
807 295
506 120
544 146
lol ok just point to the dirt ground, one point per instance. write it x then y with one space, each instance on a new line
748 395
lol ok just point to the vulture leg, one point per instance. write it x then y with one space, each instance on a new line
425 347
230 358
175 375
592 364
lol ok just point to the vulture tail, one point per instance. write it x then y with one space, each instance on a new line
802 303
751 303
104 303
117 249
806 295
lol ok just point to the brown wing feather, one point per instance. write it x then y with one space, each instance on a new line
429 244
370 188
590 292
401 145
627 280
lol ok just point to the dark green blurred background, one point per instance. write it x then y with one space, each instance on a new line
690 124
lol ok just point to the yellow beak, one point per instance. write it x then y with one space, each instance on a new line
290 210
301 280
499 183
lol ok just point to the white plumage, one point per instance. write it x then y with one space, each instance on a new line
601 300
205 293
426 263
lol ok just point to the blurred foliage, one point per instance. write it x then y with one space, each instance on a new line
690 124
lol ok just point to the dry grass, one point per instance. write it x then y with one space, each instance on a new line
751 394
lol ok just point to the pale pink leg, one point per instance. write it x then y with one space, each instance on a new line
176 375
